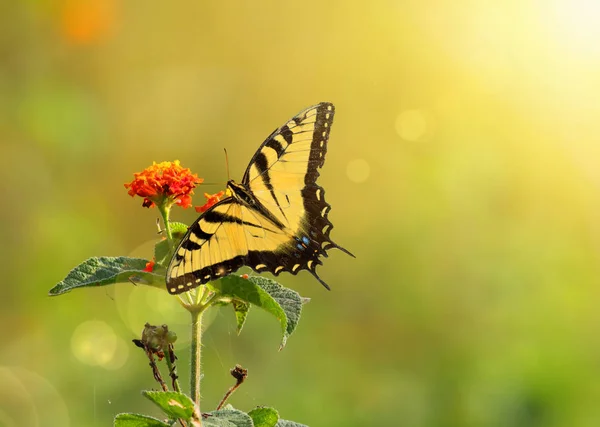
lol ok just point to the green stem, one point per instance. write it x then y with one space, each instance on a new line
165 210
203 300
195 357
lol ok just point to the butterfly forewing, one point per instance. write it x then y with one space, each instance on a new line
287 161
220 242
214 246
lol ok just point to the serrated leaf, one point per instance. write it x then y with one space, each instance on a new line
175 405
241 309
267 294
285 423
246 290
264 416
289 300
137 420
227 418
216 422
100 271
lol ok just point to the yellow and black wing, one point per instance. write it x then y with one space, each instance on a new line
285 227
282 176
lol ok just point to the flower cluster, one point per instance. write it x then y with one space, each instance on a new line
164 183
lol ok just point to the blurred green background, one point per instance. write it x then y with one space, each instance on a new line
462 170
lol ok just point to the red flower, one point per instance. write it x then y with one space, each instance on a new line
165 182
211 199
149 266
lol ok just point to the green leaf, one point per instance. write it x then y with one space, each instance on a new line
241 309
227 418
162 252
284 423
289 300
137 420
175 405
178 230
285 304
246 290
264 417
100 271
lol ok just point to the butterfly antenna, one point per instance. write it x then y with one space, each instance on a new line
227 164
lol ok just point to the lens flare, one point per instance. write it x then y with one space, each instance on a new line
358 170
29 399
94 343
411 125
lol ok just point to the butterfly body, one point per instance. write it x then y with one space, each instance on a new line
275 220
244 196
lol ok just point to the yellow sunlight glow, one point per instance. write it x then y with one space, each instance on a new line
578 23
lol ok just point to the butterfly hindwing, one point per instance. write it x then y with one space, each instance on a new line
280 225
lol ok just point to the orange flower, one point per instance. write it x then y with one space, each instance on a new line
211 199
165 182
87 21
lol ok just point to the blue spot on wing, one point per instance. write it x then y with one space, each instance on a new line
305 240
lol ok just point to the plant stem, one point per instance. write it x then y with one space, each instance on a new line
165 209
170 359
240 375
195 357
155 370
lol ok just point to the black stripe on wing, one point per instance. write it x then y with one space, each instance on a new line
325 112
262 166
304 251
187 281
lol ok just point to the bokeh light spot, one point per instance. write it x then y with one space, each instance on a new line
140 304
18 407
168 307
94 343
29 399
411 125
358 170
120 356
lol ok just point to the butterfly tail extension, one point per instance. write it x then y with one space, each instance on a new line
336 246
321 281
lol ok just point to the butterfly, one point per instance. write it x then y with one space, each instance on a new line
275 220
